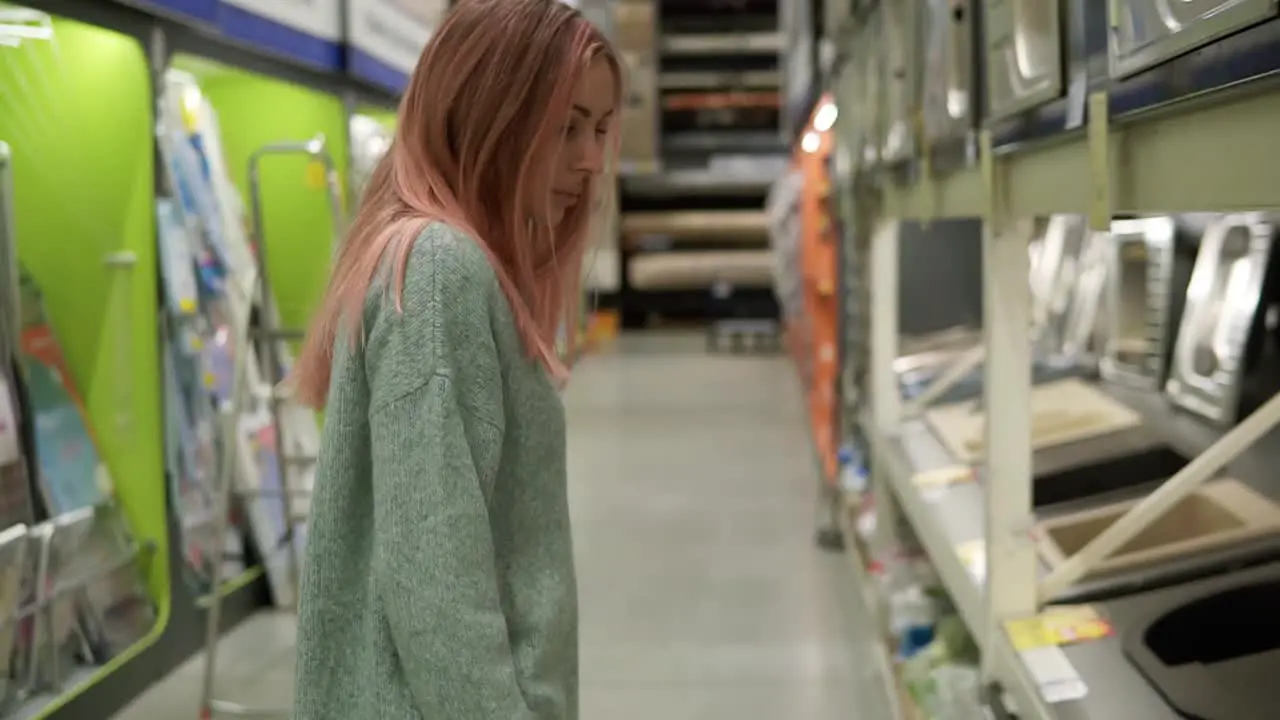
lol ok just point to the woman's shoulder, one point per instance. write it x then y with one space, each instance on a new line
448 264
442 320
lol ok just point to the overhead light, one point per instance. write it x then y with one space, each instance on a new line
825 118
810 142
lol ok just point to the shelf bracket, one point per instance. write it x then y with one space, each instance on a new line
1011 559
930 209
886 396
1099 134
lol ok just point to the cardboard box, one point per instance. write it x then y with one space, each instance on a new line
639 137
635 25
641 80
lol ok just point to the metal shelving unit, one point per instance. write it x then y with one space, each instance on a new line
706 145
1210 149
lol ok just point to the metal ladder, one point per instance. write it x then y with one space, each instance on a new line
267 338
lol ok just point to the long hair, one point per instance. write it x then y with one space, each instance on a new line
480 119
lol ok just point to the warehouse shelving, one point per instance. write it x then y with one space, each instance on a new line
1212 150
871 603
701 144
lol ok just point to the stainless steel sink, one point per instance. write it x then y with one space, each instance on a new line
1146 291
1024 54
902 28
948 76
1222 299
1148 32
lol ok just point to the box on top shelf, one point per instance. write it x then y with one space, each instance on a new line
635 25
640 114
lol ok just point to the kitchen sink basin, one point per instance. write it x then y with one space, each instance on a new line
1219 514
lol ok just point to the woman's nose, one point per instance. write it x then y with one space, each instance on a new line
591 158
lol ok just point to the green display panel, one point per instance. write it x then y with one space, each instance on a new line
253 111
77 113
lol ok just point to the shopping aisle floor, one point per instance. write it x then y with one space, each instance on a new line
702 593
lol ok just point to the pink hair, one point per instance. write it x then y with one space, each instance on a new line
478 124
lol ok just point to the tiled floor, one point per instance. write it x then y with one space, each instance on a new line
703 596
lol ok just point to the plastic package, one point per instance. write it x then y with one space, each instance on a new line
853 472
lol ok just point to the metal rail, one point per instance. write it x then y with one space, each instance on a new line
267 337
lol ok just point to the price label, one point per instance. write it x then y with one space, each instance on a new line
317 175
934 484
1057 626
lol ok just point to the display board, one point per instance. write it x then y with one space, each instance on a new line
309 31
385 37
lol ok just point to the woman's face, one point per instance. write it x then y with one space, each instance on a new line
582 156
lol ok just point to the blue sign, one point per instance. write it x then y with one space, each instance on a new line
201 10
308 31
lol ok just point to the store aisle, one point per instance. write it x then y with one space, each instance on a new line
702 594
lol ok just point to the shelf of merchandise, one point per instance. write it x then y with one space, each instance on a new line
819 270
881 655
1214 151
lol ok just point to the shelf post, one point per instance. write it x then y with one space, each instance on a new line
1099 134
886 396
1011 561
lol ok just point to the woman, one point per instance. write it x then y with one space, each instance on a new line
439 580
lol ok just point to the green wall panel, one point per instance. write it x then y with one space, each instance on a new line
77 112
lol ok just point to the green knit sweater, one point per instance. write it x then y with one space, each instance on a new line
439 582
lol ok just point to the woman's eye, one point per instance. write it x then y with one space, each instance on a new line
570 130
602 131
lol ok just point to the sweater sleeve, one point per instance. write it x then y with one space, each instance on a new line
435 427
434 558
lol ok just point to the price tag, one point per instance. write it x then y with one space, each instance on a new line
317 175
1057 626
1054 675
933 484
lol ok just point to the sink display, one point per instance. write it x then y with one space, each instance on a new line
1148 32
1086 324
1219 514
1210 648
948 77
902 79
1062 412
1054 279
869 66
1146 290
1105 469
1207 369
948 80
1024 54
